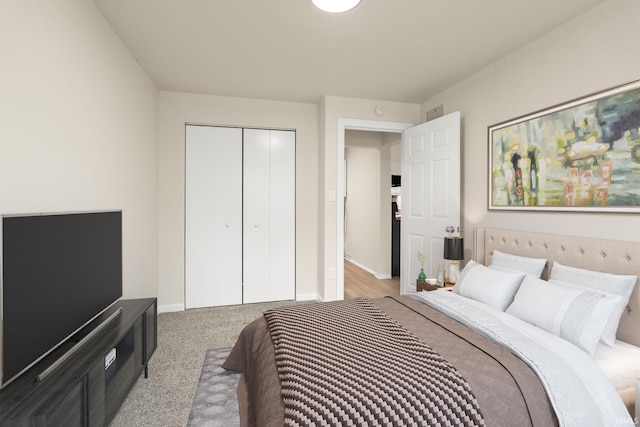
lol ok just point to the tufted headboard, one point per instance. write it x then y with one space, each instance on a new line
610 256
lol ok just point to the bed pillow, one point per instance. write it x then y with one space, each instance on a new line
572 313
617 284
492 287
508 262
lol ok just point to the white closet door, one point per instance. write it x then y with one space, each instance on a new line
269 215
213 216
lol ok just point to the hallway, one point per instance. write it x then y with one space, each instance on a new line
361 283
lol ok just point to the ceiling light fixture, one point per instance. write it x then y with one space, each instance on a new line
335 6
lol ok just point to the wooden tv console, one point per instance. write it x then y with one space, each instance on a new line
80 390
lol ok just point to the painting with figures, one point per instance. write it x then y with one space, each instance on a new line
583 155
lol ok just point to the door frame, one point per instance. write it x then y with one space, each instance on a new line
345 124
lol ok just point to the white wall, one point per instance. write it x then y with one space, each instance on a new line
362 207
595 51
79 130
177 109
396 159
78 125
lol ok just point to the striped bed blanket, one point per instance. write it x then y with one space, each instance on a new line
374 372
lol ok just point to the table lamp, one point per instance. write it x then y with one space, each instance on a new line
453 251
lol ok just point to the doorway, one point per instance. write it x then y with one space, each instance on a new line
343 126
371 159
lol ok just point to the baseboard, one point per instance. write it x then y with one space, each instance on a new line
308 297
169 308
367 269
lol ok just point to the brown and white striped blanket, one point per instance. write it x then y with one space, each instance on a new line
373 373
507 390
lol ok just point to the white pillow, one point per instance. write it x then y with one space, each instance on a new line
509 262
574 314
492 287
616 284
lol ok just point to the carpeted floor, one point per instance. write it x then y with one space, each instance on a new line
164 399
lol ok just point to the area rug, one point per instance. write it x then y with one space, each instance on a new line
215 402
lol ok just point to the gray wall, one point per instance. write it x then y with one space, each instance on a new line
595 51
79 126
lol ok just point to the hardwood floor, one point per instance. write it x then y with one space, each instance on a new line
361 283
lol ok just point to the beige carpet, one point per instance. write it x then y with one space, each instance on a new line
164 399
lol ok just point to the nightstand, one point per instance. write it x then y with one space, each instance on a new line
421 285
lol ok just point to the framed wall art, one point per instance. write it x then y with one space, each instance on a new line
583 155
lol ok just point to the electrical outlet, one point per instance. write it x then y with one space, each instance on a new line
331 273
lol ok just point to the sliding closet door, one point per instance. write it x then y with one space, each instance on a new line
213 216
269 215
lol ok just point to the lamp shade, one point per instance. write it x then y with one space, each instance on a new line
453 248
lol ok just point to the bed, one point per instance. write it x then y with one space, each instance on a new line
303 365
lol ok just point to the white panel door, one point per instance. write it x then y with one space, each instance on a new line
269 215
282 211
430 193
213 216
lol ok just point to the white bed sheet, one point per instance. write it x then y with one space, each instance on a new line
621 363
580 393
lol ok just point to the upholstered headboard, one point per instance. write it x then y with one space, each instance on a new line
610 256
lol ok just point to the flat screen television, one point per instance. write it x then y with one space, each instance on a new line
59 272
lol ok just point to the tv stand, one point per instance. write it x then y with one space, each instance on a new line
79 388
44 374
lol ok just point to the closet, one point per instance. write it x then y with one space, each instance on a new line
239 216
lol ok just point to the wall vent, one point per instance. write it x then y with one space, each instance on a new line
434 113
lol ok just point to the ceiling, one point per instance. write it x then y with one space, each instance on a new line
394 50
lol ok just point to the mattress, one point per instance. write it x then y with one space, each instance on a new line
621 364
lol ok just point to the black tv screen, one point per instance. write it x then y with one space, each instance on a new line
59 271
